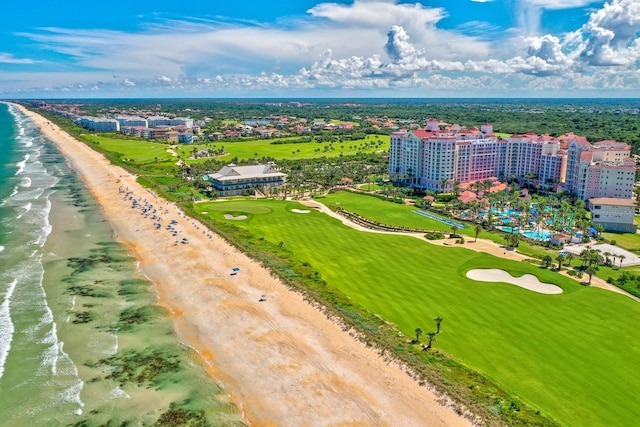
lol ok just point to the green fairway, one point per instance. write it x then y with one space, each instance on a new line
571 355
267 148
143 151
391 213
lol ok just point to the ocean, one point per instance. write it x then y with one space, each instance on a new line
81 340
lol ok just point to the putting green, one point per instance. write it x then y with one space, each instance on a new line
571 355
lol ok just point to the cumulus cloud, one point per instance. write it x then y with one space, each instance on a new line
622 17
391 46
613 34
398 47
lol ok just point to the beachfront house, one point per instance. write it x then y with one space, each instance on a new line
234 180
613 214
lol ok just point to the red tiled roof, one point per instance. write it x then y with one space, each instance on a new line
467 196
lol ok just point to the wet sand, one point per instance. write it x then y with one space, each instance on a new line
281 360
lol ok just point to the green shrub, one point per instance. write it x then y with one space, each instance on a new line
434 236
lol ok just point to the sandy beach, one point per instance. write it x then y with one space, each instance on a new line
282 361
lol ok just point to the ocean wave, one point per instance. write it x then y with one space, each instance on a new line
46 227
7 328
118 393
26 182
21 164
26 208
1 248
13 193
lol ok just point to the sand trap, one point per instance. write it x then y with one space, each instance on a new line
300 210
528 281
235 218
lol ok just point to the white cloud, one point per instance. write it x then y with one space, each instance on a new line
620 16
376 44
8 58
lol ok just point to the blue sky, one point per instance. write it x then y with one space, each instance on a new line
304 48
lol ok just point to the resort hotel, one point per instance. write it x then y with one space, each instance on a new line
436 157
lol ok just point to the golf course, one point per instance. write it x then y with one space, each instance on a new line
570 355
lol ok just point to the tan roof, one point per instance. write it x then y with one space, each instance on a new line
231 172
612 201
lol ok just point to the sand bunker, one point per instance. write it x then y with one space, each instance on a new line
235 218
528 281
300 210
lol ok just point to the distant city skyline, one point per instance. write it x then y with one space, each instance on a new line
304 48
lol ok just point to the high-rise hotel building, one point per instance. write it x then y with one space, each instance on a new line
437 156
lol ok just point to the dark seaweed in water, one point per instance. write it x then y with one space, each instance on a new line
133 287
83 317
142 367
176 416
97 256
94 290
136 316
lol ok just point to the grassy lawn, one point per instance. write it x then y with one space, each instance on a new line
143 151
264 147
570 355
628 241
395 214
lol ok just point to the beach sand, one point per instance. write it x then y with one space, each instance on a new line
281 360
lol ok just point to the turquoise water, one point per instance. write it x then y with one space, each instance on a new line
536 235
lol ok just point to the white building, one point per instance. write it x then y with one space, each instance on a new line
235 180
99 124
133 121
613 214
186 138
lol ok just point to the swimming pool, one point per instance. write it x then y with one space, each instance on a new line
536 235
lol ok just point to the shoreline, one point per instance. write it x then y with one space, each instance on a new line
282 361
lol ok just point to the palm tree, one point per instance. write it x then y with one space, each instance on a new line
438 321
431 338
560 258
591 271
546 261
486 186
444 182
490 219
622 257
418 332
570 258
454 230
456 188
477 229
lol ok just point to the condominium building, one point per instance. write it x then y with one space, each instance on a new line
98 124
155 121
133 121
614 214
605 169
437 156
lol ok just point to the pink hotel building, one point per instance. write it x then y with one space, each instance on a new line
435 157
